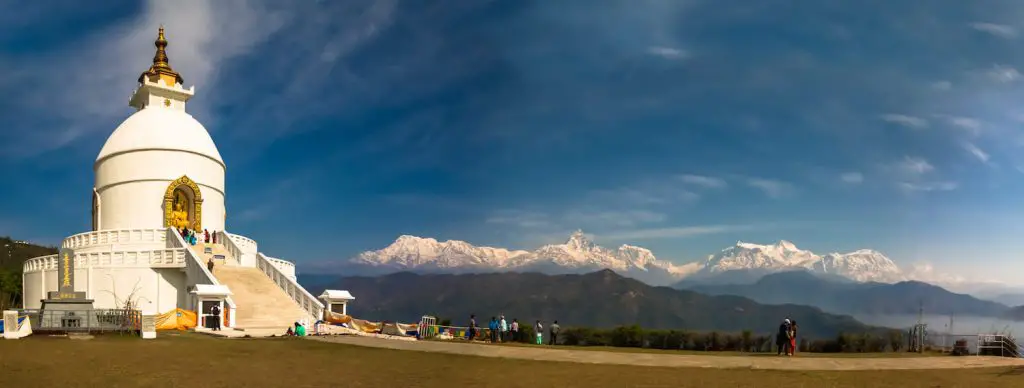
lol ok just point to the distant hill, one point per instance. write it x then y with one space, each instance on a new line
597 299
801 287
13 254
1014 314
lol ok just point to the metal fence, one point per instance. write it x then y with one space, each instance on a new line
975 344
120 321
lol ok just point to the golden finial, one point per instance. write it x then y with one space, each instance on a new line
161 68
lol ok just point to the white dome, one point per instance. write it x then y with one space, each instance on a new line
162 129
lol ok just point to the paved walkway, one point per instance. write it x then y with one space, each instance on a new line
679 360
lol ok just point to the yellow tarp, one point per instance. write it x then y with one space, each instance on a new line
177 319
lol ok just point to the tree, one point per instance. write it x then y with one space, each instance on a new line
895 338
10 288
746 340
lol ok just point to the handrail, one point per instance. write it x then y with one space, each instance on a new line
242 248
286 267
113 236
241 241
305 300
152 258
193 264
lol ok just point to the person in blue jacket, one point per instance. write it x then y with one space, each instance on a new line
493 325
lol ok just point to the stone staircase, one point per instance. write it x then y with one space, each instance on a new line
261 304
219 254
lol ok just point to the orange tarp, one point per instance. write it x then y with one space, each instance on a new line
177 319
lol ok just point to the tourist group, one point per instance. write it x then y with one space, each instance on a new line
501 331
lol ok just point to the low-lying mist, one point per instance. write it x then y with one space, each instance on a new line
965 325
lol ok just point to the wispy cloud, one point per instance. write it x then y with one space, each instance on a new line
971 125
520 218
928 186
772 188
1000 30
977 152
852 177
704 181
905 120
913 166
628 218
674 232
202 37
667 52
1003 74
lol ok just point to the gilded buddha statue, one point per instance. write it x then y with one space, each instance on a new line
179 217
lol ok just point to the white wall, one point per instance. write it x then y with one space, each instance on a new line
159 289
132 187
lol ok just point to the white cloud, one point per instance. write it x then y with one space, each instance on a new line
852 177
628 218
1003 74
705 181
925 272
201 36
520 218
1000 30
914 166
673 232
905 120
971 125
667 52
770 187
977 152
928 186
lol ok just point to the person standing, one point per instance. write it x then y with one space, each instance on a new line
554 333
539 329
792 337
515 329
493 326
472 327
206 236
215 316
209 264
782 338
504 329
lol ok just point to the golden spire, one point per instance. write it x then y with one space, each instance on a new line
161 68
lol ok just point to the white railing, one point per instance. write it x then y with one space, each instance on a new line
244 243
114 236
196 271
156 258
242 248
303 298
41 263
286 267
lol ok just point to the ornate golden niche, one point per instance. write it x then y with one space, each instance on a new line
183 204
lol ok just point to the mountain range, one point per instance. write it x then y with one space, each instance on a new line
741 263
870 298
596 299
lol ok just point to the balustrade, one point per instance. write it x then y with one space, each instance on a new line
114 236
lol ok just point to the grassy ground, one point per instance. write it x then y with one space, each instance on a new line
173 360
699 353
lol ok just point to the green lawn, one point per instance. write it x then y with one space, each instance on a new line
180 359
694 352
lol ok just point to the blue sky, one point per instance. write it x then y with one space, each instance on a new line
679 125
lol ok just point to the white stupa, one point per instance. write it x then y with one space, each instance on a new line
160 172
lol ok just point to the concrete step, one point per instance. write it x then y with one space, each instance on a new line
217 252
261 303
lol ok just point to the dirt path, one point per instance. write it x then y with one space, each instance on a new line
681 360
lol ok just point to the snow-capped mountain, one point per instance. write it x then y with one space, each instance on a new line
577 255
862 265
